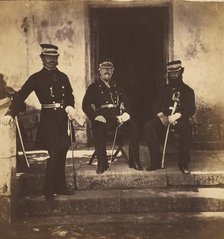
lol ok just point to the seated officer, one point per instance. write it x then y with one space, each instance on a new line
155 129
106 106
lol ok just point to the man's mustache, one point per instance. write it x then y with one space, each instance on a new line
52 62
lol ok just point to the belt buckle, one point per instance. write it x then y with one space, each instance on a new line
110 105
57 105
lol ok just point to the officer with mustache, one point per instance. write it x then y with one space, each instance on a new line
55 94
106 105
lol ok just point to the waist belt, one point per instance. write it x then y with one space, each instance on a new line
52 106
107 106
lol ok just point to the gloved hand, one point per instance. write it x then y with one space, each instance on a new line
123 118
6 120
163 118
70 112
173 118
100 118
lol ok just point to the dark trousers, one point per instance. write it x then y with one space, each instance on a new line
128 128
155 135
55 171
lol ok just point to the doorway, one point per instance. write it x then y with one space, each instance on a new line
136 40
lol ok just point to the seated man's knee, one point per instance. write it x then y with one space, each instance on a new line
149 126
185 128
98 124
132 125
98 127
184 125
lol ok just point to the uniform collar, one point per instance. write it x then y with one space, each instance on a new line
107 84
50 71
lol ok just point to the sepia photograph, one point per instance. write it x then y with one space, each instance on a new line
111 119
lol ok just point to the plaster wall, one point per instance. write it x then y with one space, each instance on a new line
7 157
8 171
198 33
198 41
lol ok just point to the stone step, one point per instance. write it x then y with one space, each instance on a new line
169 225
125 178
125 201
122 177
160 218
207 170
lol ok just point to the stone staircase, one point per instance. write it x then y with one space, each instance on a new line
126 191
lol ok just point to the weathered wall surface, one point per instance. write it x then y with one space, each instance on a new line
198 40
26 24
8 171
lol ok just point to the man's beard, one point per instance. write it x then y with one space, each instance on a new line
175 81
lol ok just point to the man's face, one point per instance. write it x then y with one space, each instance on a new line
50 61
174 77
106 73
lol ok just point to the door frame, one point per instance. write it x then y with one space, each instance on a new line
94 31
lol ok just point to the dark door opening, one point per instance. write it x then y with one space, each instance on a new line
136 40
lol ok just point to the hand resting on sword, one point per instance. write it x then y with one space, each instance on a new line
173 118
169 120
123 118
70 112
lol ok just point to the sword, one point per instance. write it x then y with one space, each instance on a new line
175 98
114 141
21 141
121 108
71 138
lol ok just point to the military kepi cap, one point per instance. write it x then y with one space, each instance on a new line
49 50
174 66
106 64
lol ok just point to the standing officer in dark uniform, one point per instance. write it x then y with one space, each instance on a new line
55 94
155 129
106 106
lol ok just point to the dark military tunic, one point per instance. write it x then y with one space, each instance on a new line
186 105
98 94
50 87
109 102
